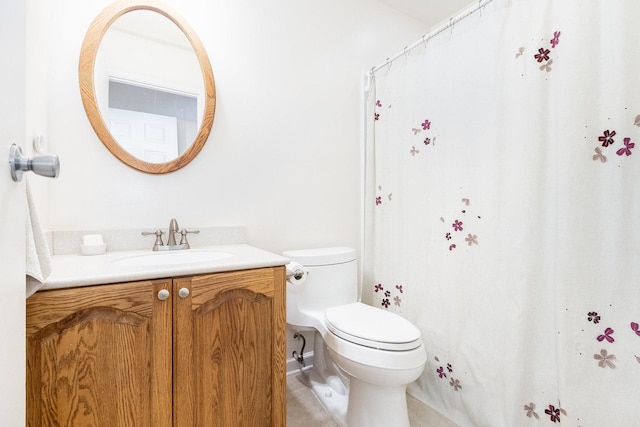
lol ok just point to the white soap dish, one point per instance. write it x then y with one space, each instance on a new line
93 249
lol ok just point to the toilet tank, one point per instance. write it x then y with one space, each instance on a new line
332 280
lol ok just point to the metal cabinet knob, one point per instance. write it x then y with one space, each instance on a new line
163 294
183 292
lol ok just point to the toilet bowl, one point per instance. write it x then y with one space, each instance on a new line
364 357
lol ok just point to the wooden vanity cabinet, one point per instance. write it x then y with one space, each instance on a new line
211 354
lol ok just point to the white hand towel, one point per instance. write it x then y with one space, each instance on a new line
38 266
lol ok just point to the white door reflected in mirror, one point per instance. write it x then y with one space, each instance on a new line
146 66
150 137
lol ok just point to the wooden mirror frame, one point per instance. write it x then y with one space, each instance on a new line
90 47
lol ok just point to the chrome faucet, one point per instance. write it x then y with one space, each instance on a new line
171 242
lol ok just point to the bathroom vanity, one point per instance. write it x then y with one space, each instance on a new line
200 349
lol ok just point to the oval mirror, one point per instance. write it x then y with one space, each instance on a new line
147 86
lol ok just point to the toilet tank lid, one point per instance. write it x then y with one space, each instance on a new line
321 256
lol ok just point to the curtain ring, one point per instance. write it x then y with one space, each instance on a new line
424 41
388 64
406 55
451 24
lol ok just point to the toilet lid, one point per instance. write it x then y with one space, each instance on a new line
372 327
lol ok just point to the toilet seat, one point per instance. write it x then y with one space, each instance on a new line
372 327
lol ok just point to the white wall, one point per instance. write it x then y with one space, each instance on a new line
283 157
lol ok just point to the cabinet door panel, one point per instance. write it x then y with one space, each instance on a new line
232 348
99 356
227 337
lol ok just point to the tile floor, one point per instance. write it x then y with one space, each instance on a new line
304 409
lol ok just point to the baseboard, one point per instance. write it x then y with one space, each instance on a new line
293 367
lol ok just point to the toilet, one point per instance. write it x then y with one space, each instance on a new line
364 357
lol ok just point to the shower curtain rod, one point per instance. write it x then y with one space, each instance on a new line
425 38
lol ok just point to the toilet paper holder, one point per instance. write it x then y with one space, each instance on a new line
48 165
295 272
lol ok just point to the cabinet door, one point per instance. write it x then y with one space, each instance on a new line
229 349
100 356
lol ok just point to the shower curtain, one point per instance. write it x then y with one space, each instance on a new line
503 211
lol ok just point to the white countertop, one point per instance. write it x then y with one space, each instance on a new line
77 270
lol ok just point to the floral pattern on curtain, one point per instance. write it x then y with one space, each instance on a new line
503 212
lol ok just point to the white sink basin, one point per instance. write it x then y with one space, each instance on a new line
171 258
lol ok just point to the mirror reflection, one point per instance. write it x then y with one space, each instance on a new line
149 87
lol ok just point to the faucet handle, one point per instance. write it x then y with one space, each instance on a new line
158 234
184 232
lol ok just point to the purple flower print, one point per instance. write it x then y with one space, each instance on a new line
635 328
556 39
378 287
378 103
378 201
387 294
553 413
449 368
606 336
399 287
628 145
441 372
457 225
397 301
376 116
386 303
542 55
426 124
427 141
604 359
607 137
448 236
592 316
452 246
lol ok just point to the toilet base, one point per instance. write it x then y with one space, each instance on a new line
370 405
327 383
354 408
333 399
377 395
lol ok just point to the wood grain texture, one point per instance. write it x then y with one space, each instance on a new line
115 355
99 356
279 348
226 373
